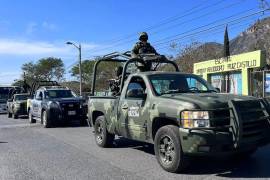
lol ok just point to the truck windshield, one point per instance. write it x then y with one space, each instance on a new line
179 83
21 97
4 93
59 94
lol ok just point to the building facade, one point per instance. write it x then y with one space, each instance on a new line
238 74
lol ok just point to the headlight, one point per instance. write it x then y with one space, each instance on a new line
54 105
195 119
83 104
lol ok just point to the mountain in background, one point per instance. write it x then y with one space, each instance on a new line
256 37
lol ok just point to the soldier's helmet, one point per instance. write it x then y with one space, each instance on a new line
143 36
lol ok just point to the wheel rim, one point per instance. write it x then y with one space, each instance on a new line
166 150
99 133
44 118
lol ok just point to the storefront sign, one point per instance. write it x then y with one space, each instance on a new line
236 62
227 66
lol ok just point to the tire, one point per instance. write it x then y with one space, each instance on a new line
102 136
45 120
83 122
15 116
9 115
30 117
244 155
168 149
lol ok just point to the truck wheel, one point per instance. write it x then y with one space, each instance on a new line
44 119
30 117
15 116
244 155
168 149
9 115
83 122
102 136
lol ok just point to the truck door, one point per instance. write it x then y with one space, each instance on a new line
134 112
36 104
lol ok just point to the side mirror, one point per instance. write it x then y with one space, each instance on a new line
10 100
136 93
218 90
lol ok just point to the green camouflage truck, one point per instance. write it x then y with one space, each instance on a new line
181 114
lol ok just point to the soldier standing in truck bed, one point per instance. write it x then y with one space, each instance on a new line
143 47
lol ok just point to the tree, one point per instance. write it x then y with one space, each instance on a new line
226 51
105 71
44 69
87 70
196 52
50 68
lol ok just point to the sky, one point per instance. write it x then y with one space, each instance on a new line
31 30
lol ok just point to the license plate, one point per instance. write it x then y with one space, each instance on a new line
71 113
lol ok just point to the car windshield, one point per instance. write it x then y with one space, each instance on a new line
179 83
4 93
21 97
59 94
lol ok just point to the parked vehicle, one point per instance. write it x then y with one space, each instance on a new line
181 114
16 106
54 105
4 96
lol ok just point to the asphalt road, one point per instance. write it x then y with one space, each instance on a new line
32 152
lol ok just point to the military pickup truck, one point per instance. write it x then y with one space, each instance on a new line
53 105
16 106
181 114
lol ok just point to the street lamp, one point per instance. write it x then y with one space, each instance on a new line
80 62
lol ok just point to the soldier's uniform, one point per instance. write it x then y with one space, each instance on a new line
143 47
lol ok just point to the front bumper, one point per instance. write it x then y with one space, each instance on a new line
20 112
206 142
58 116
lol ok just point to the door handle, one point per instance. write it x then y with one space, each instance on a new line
124 106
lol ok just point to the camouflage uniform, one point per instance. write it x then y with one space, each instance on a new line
141 48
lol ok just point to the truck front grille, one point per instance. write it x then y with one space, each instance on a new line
68 107
253 121
221 116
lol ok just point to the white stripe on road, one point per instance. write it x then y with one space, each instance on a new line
17 125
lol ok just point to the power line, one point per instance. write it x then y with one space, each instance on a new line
201 16
165 21
228 22
127 39
161 40
213 32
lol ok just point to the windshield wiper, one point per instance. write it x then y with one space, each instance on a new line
207 91
174 91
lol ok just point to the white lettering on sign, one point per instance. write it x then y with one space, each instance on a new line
133 112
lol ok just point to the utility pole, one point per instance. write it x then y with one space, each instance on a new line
79 47
80 67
